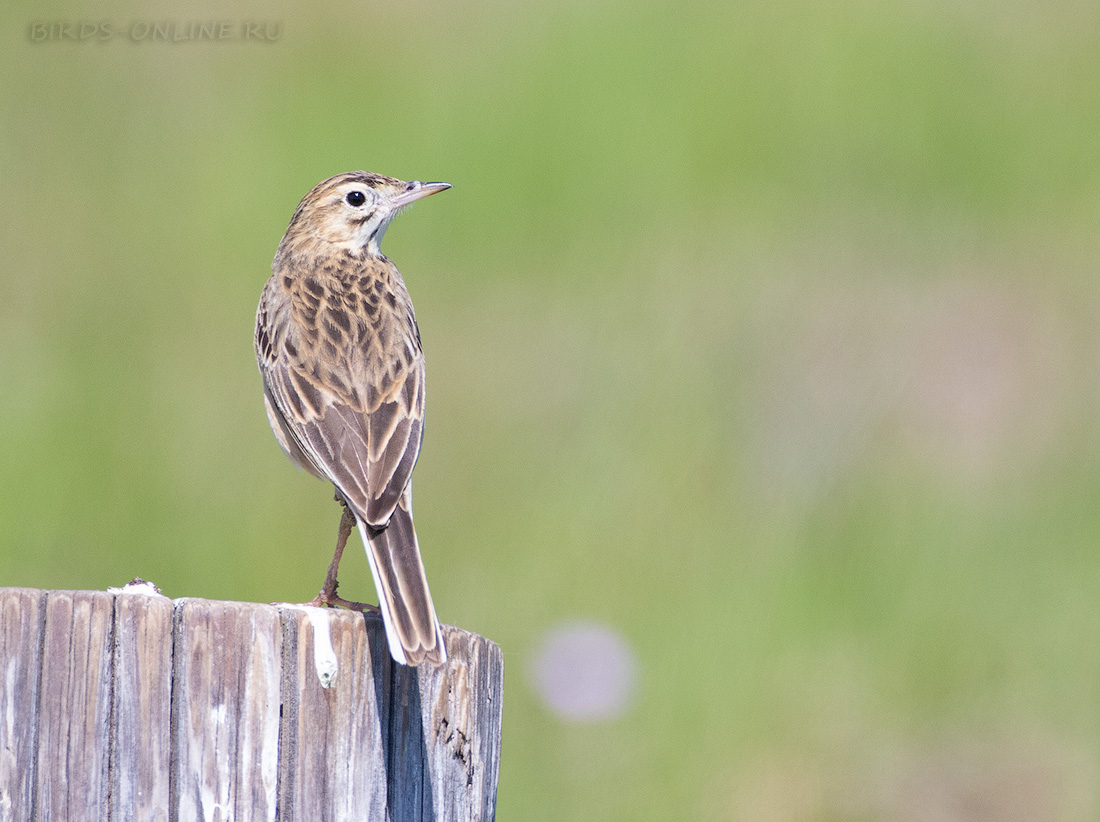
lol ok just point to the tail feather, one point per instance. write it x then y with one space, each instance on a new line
412 629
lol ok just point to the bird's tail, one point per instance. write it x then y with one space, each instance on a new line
412 628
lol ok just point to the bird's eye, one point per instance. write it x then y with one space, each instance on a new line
356 198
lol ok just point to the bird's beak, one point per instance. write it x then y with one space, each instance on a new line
417 190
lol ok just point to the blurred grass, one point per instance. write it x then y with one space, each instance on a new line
764 333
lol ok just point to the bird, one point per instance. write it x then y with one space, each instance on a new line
339 352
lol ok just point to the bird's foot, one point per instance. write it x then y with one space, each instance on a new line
329 599
326 597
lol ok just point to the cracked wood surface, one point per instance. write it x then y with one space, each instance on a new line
126 706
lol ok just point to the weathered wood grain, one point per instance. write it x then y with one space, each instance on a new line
461 714
225 710
332 741
74 706
20 664
443 729
121 706
141 708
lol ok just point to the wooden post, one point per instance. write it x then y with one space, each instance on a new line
130 706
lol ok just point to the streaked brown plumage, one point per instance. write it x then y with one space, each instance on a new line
343 374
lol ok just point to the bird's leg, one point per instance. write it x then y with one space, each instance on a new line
328 590
327 595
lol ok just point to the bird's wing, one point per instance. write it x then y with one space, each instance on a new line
359 424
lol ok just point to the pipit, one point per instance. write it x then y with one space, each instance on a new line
343 375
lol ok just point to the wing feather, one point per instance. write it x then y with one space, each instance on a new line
368 454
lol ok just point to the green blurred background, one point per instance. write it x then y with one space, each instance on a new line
764 333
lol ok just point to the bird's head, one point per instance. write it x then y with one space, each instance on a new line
351 211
